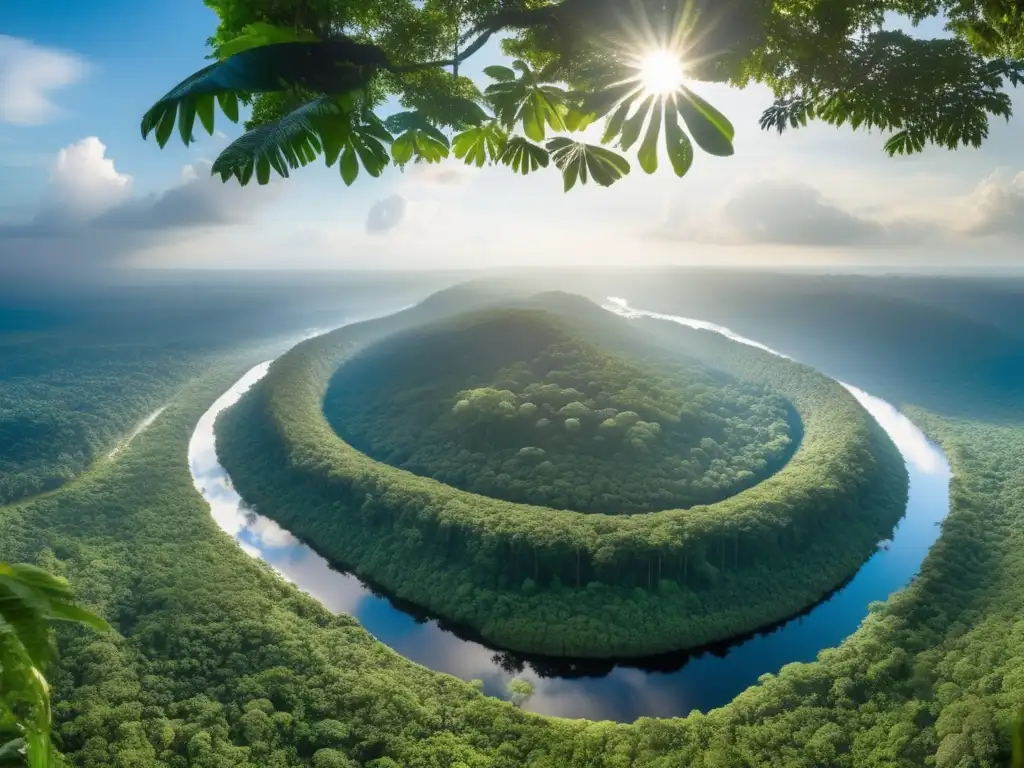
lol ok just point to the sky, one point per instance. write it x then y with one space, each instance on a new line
82 192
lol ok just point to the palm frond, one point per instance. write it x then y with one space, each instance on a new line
333 67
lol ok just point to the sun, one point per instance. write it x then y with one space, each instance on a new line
661 71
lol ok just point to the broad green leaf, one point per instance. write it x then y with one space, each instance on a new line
576 120
349 166
428 149
501 74
204 110
600 103
291 142
577 160
332 67
632 127
403 122
648 154
533 120
479 145
709 128
523 156
571 171
62 611
371 153
24 611
229 105
403 149
529 101
677 143
613 127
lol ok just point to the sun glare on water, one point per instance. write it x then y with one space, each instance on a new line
661 72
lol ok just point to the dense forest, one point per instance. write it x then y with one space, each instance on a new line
77 373
216 661
64 403
558 582
510 404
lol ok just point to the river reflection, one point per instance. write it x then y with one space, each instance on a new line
664 686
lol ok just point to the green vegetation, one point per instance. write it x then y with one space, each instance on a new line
560 582
30 599
315 72
214 661
78 373
64 403
552 420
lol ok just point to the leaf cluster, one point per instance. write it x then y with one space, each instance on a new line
314 71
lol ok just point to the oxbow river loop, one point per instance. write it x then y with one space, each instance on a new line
664 686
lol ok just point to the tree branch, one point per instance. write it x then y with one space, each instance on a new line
453 62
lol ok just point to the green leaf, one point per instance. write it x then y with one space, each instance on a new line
501 74
576 120
523 156
613 127
24 615
403 149
371 153
648 154
429 149
291 142
577 160
600 103
632 127
331 67
60 611
677 143
228 105
402 122
349 166
709 128
533 120
204 109
480 144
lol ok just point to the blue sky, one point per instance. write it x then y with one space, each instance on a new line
819 195
132 52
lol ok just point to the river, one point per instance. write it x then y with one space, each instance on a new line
664 686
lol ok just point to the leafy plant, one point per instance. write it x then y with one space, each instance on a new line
30 600
577 62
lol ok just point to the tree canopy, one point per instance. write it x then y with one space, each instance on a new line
557 418
317 73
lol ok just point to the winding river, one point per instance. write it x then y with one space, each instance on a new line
664 686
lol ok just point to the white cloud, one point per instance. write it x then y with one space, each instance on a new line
88 220
200 200
84 183
27 75
794 213
994 208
